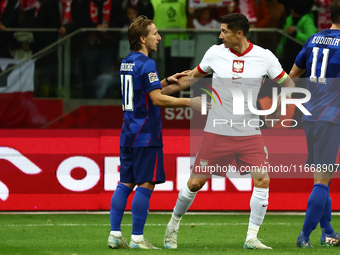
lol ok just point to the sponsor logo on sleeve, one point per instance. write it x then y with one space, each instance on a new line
153 77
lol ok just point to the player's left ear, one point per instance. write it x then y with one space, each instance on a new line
142 39
239 33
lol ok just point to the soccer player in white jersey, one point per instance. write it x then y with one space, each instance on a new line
239 63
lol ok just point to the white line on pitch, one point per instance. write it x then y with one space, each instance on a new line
154 225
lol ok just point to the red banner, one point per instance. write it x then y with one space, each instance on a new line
79 170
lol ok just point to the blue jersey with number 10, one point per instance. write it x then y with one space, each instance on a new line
142 122
320 56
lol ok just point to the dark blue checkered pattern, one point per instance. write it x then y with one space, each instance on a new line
142 125
325 102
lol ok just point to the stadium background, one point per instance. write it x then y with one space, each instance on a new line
60 150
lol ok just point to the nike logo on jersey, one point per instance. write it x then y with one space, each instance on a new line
236 78
264 205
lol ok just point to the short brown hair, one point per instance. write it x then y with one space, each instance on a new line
335 11
236 21
137 28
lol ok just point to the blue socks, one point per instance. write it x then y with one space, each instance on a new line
315 208
118 204
325 221
140 209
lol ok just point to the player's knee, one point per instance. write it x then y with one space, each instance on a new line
320 180
196 184
148 185
262 183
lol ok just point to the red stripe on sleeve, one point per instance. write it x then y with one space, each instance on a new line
200 70
279 76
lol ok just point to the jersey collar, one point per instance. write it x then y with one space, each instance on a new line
246 51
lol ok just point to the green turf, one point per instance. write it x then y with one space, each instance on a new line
199 234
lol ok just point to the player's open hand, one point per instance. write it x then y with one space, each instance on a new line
173 79
196 104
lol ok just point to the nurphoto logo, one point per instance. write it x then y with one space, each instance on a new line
238 100
243 102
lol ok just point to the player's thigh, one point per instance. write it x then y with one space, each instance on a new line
323 142
214 156
126 165
252 156
148 165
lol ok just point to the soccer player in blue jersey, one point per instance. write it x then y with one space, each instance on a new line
141 154
320 58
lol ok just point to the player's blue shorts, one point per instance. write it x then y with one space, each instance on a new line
323 143
141 164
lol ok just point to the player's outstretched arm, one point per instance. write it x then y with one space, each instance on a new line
159 99
296 72
173 79
183 82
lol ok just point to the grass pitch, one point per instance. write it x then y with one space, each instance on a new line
86 234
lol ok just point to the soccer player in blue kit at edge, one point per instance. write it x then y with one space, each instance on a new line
320 57
141 154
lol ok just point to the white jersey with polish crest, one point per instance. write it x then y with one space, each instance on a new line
243 74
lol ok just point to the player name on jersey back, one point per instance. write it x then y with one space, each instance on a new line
127 67
325 40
